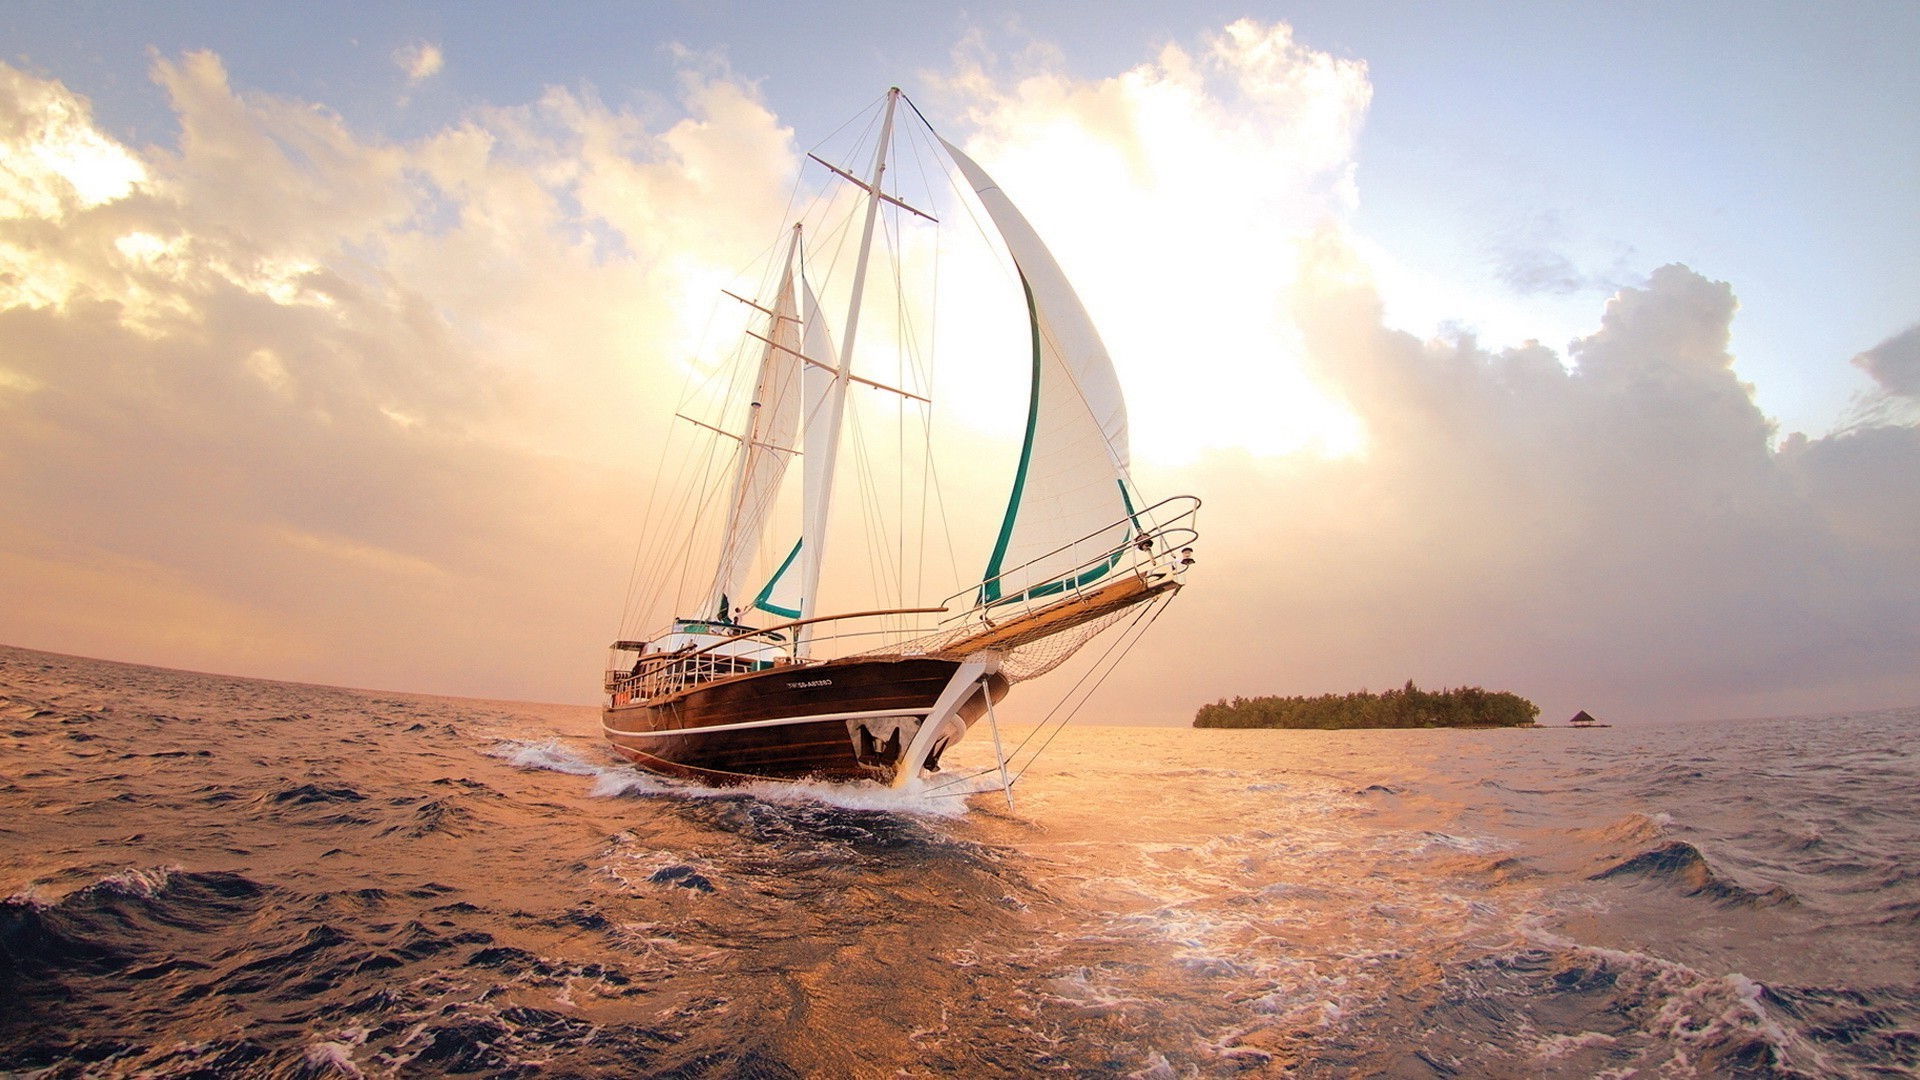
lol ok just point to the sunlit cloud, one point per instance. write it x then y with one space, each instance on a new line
421 61
1619 534
1174 195
314 375
53 161
295 398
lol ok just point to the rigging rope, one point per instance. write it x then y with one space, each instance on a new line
1154 610
1125 643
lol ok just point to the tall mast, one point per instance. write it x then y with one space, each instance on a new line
824 452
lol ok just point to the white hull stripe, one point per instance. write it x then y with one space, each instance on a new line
775 722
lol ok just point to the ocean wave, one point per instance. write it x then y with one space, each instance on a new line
551 755
307 794
544 908
112 923
1680 863
1592 1011
433 816
1632 829
1429 840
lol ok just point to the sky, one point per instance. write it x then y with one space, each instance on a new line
1570 351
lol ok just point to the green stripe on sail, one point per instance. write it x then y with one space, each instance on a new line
1060 585
1126 500
765 600
1092 573
990 588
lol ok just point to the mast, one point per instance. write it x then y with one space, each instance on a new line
823 448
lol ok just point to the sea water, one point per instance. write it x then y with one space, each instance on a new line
213 876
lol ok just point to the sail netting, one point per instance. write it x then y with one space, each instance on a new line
769 440
1069 516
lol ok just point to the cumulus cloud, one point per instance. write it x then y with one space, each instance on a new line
1895 363
286 391
1619 534
421 61
1894 399
292 399
1607 525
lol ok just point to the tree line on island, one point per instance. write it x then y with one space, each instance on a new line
1407 707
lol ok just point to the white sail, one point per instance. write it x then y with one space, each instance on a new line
823 392
766 444
1072 479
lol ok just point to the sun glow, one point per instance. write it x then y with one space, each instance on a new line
1176 196
59 161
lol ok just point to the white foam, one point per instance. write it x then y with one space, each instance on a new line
616 783
335 1056
634 867
856 795
34 896
134 881
1156 1068
1081 990
551 755
1472 845
1559 1046
1695 1008
613 781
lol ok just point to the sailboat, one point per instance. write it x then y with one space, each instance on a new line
757 679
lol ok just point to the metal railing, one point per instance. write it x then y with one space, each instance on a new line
662 674
1152 554
1150 551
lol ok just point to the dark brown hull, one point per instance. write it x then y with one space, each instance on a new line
801 715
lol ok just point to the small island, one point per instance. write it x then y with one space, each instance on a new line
1407 707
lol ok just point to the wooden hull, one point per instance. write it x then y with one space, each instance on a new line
790 722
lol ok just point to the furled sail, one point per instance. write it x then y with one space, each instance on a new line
822 392
768 441
1069 516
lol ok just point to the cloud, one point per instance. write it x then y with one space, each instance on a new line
1608 525
1894 366
289 398
421 61
1895 363
1540 270
357 410
1531 260
55 163
1180 188
1618 534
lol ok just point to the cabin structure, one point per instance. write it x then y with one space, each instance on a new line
1584 719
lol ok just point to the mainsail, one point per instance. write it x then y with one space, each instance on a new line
768 441
1070 513
823 392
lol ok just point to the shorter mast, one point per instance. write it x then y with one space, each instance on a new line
823 424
